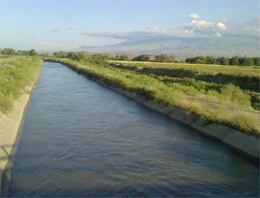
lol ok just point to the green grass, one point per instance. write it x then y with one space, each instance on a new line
14 77
208 101
243 77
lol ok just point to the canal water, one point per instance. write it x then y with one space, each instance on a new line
80 139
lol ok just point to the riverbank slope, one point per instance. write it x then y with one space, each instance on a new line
11 120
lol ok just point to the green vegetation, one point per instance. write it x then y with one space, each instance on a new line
209 92
246 78
164 58
10 51
236 60
14 77
143 57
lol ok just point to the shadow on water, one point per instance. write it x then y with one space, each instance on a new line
138 190
6 173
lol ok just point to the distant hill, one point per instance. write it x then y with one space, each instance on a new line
225 46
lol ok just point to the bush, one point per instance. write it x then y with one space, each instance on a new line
235 94
143 57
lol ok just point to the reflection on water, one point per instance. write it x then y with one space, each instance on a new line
81 139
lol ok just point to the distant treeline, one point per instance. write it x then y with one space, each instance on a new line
236 60
84 56
99 58
11 51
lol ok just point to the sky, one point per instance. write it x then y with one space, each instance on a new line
67 24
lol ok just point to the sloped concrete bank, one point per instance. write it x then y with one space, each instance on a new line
9 134
240 142
245 144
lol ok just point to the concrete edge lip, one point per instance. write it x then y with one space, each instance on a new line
242 143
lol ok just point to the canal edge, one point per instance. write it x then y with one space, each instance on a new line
240 142
10 124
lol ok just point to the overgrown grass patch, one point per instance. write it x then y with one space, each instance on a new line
15 76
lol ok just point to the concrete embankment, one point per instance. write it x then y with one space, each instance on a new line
242 143
9 134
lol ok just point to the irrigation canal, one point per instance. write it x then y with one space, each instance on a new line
80 139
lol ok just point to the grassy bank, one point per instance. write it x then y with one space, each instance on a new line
15 75
211 103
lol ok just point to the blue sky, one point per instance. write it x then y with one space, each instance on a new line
64 24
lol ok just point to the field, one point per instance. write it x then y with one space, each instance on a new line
15 74
211 93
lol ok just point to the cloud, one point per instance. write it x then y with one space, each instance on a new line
252 7
221 26
72 28
203 27
42 43
34 43
245 27
196 28
132 35
194 16
218 34
224 19
55 30
154 28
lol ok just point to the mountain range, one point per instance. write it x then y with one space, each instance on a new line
226 46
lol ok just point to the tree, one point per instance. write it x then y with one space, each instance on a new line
257 61
210 60
8 51
190 60
60 54
234 60
224 61
245 61
200 60
123 57
171 58
161 58
143 57
73 56
33 52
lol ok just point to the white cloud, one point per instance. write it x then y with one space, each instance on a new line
42 43
34 43
203 27
72 28
154 28
218 34
221 26
252 7
194 16
55 30
193 29
224 19
151 33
